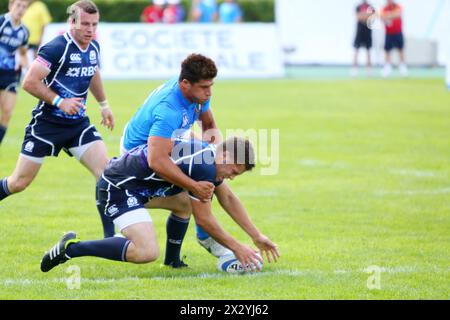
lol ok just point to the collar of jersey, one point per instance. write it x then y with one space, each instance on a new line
69 36
8 18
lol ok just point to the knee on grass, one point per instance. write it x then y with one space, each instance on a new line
146 254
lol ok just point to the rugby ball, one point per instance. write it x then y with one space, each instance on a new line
230 264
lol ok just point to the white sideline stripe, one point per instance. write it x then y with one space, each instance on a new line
223 275
218 275
415 173
320 163
413 192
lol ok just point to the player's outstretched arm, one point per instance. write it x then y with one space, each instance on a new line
97 90
206 220
236 210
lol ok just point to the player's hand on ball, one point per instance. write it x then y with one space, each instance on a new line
249 258
268 247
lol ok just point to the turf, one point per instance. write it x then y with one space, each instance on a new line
364 180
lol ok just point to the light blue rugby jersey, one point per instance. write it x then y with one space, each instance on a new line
11 38
71 71
164 111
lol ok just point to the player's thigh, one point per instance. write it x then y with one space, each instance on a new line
179 203
95 157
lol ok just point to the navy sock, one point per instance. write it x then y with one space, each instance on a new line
107 223
201 234
2 132
176 228
4 191
114 248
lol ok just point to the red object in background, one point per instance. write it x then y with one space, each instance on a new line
393 26
153 14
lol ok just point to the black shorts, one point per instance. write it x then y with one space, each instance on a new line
394 41
9 80
46 138
363 39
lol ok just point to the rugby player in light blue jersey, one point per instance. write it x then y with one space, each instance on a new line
61 76
127 184
169 113
13 37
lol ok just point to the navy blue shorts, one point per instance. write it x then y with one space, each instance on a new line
394 41
114 202
9 80
45 138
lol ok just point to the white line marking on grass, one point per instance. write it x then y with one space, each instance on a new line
323 164
396 270
219 275
223 275
415 173
413 192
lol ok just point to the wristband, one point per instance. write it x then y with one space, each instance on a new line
104 104
57 101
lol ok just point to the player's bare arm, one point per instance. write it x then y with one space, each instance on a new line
33 85
159 160
96 88
205 219
236 210
210 132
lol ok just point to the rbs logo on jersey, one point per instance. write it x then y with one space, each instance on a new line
81 72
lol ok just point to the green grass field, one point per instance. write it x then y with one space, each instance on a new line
364 181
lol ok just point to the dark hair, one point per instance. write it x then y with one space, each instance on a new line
197 67
241 151
85 5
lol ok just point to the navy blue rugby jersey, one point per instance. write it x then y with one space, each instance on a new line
71 71
131 171
11 38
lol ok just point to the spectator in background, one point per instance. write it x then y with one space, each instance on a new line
391 15
154 13
204 11
174 12
230 12
363 34
35 19
13 43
